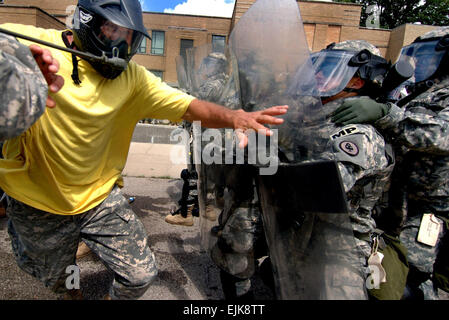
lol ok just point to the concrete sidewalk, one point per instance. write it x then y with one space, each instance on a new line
155 160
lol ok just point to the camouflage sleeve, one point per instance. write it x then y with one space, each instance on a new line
423 124
23 89
360 152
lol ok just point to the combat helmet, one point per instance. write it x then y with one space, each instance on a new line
429 54
339 62
111 28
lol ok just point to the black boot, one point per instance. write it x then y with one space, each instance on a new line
228 285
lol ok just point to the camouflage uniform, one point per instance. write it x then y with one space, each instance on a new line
365 163
229 212
419 133
111 230
23 88
421 126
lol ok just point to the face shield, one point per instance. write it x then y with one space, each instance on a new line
333 71
115 40
424 57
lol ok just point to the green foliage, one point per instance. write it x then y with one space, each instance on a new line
394 13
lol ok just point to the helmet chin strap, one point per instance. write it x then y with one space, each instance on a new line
75 73
71 44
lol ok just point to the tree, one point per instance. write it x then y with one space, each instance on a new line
434 12
394 13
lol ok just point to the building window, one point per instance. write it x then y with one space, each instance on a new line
157 73
218 43
185 44
157 42
143 46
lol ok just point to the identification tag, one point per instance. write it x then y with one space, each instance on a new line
429 230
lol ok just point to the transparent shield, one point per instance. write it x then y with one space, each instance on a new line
305 218
183 80
423 57
309 236
211 76
332 71
275 69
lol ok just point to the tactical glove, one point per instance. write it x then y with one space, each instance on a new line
359 110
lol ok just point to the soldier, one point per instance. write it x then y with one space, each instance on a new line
64 177
209 82
418 126
343 71
27 74
365 162
26 77
232 225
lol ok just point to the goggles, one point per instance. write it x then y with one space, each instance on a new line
115 40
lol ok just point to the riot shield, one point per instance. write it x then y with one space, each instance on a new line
211 76
305 218
183 80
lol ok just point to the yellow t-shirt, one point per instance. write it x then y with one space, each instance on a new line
70 159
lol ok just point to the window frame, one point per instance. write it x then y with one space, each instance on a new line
156 74
144 47
153 48
214 45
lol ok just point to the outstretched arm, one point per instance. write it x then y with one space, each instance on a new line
215 116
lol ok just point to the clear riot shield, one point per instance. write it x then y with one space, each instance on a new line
183 80
211 76
309 234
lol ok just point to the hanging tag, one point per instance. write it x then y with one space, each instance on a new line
375 265
429 230
377 271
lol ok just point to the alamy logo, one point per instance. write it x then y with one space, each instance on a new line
373 19
70 10
73 279
211 146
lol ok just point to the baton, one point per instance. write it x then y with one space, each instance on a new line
115 60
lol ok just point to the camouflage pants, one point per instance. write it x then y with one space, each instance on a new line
45 244
420 256
230 190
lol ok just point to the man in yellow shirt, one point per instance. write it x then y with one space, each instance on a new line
64 173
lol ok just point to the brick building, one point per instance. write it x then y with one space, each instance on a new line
324 22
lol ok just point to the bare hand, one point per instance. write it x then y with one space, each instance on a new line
255 120
49 67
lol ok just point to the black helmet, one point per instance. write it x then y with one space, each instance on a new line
111 28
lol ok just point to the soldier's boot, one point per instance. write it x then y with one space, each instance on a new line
74 294
83 250
179 219
236 289
266 273
212 211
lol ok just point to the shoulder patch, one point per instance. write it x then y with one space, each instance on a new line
346 131
349 148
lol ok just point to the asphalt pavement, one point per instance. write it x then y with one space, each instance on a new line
185 270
